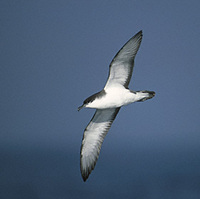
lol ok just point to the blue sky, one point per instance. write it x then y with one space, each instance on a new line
54 54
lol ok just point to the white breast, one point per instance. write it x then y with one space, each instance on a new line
116 96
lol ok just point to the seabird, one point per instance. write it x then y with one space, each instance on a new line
108 102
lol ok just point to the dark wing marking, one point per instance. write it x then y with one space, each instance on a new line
93 138
121 67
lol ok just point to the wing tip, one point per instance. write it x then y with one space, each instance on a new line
84 177
86 169
140 32
139 35
85 173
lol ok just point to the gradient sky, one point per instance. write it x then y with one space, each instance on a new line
54 54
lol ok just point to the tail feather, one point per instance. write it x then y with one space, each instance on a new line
148 95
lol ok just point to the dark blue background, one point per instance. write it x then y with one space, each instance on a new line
54 54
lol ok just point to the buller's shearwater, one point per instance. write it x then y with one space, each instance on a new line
108 103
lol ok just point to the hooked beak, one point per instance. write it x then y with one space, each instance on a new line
80 107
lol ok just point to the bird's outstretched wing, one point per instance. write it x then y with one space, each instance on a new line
121 67
93 138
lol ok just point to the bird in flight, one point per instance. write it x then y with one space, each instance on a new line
108 102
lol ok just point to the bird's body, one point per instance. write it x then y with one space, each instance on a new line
115 97
108 102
